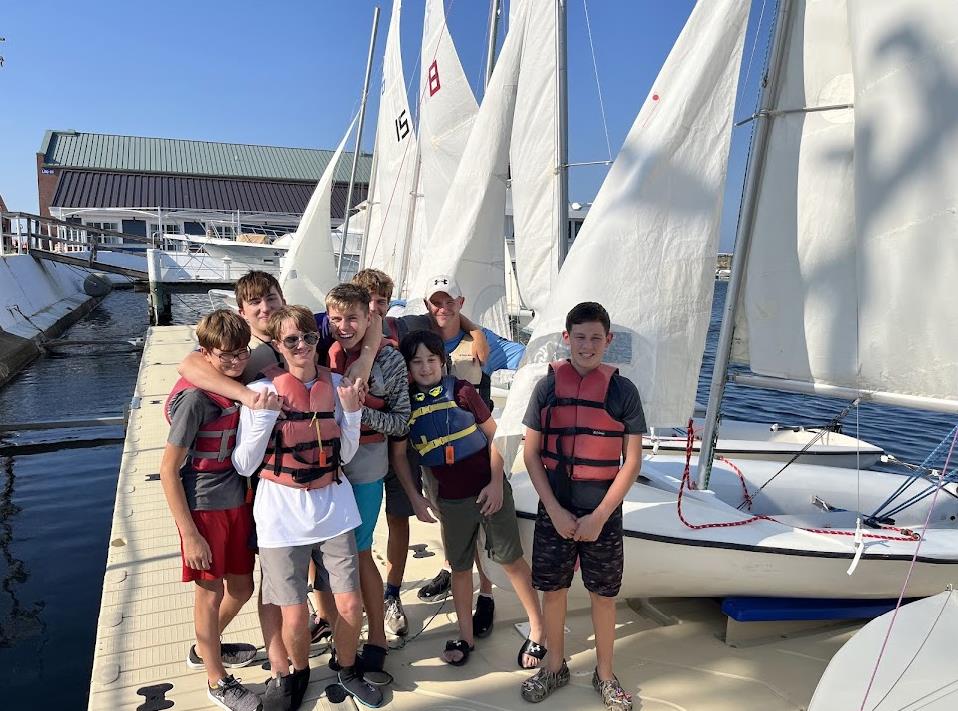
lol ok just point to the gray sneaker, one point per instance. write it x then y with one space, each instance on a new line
229 694
232 654
396 623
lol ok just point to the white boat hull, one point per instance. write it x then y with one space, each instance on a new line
779 558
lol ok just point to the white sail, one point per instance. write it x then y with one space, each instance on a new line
846 282
309 267
446 113
647 248
393 183
471 225
534 157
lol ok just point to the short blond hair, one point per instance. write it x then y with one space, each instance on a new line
223 329
375 282
345 296
299 315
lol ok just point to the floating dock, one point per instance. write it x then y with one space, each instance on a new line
670 654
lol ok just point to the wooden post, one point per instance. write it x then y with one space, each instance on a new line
161 299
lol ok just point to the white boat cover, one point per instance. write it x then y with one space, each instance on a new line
654 228
389 214
471 223
916 671
848 278
534 157
309 267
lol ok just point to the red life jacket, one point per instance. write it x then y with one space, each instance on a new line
339 361
577 431
214 442
304 450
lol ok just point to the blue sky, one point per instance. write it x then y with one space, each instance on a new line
290 73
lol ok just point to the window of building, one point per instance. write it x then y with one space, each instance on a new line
104 239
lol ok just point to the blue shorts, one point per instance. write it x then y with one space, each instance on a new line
369 500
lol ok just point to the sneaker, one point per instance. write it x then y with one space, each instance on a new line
319 629
232 654
396 623
613 695
300 682
278 695
438 587
539 686
361 690
229 694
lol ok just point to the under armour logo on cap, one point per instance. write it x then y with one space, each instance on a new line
443 283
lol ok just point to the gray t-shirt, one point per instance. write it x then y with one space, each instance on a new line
622 403
206 491
262 356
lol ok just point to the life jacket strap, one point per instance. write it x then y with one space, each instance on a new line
424 447
300 416
565 459
575 430
433 407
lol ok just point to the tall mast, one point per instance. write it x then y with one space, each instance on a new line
495 10
562 132
743 239
359 138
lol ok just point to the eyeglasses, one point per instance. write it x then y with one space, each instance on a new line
235 357
310 339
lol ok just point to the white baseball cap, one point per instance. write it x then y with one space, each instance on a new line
442 283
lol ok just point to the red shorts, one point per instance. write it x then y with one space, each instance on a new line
227 533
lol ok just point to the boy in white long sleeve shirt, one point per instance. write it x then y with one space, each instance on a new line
304 508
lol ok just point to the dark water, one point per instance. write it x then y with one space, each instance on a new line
55 508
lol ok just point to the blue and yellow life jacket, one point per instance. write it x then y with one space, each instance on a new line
440 430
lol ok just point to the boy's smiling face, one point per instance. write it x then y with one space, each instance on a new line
378 303
587 343
348 325
257 311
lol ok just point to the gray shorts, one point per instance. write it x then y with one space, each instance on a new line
460 520
285 570
397 503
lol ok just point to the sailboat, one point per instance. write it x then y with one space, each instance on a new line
750 528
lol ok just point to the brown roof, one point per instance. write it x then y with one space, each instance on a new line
80 188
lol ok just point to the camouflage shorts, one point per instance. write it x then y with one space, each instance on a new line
554 557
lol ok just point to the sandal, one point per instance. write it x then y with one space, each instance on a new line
537 688
482 618
461 646
532 649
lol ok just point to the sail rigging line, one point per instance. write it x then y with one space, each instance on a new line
911 568
830 427
598 86
903 534
751 55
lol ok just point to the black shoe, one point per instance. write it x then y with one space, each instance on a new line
232 654
370 664
278 695
361 690
319 630
300 682
436 588
482 618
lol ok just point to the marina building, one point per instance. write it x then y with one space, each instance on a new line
166 186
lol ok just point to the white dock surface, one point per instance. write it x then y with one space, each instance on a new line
673 660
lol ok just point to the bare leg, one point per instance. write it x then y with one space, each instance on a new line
553 614
349 607
521 578
485 585
603 622
397 548
462 598
317 602
208 596
239 589
295 633
327 607
271 620
371 586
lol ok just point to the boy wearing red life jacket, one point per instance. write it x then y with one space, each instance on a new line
583 450
208 501
385 414
304 508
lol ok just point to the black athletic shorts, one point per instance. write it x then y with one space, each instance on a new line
554 557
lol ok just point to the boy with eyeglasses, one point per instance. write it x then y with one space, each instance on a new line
208 501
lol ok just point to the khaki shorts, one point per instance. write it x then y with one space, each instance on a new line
460 519
285 570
